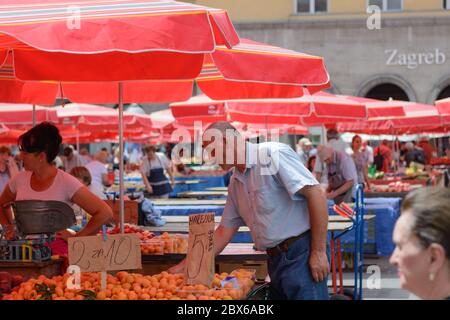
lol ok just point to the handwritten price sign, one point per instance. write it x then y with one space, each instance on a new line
118 252
200 254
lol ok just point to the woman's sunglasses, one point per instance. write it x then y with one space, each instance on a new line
29 149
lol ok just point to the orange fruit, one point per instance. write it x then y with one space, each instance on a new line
122 296
132 296
101 295
144 296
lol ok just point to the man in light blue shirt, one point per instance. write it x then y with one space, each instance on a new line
282 204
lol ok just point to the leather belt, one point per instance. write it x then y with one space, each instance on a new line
284 246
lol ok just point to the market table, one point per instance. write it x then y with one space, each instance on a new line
234 256
188 202
48 268
377 232
385 195
206 182
217 189
202 194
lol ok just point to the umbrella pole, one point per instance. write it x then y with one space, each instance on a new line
78 147
34 115
121 168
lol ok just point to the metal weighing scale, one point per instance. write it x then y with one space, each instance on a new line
36 225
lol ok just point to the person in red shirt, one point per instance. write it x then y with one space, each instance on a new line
427 149
385 151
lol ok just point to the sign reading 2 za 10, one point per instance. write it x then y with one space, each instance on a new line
118 252
200 254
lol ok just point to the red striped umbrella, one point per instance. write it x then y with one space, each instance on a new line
443 106
418 118
163 44
379 108
17 116
86 117
290 81
317 109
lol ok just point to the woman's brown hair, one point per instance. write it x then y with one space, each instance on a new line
83 174
430 207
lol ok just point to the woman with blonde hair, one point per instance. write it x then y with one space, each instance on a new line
422 238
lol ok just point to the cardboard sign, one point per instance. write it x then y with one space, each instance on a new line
200 254
118 252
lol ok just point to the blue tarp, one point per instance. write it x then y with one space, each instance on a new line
377 232
208 182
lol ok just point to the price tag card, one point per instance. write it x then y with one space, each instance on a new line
118 252
200 254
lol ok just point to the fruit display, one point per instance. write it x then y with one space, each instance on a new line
134 286
9 281
164 244
141 233
376 175
152 244
440 161
391 187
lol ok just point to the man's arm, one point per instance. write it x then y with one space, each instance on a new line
222 236
318 215
7 197
341 190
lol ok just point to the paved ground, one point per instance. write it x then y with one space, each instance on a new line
389 288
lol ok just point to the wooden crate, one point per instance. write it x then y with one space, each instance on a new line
28 270
131 211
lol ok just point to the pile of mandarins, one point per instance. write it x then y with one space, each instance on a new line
133 286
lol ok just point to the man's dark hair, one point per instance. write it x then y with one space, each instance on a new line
43 137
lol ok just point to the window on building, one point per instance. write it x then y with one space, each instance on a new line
387 5
311 6
446 4
386 91
445 93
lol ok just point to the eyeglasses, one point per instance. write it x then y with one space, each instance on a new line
29 149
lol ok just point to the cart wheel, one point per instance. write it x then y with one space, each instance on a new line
340 297
260 292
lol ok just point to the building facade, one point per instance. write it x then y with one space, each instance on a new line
372 48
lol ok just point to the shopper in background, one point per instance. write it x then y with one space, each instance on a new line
85 157
153 169
99 172
8 167
71 159
361 161
413 154
342 176
422 238
383 157
336 143
304 151
366 148
428 149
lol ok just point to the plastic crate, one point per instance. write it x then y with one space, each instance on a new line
24 251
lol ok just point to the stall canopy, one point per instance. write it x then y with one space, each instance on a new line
418 118
17 116
319 108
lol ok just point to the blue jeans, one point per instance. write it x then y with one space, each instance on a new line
290 276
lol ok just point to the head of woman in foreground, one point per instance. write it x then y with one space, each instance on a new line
422 239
